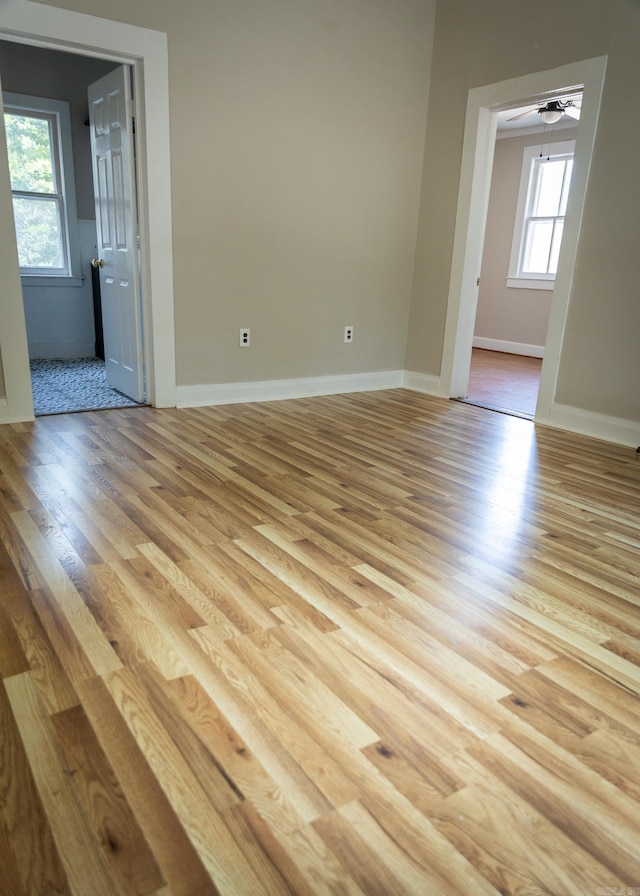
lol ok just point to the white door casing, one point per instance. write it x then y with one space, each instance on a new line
146 51
475 178
116 224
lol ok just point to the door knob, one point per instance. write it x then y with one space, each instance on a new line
97 263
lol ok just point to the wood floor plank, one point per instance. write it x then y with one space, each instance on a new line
221 855
285 748
12 656
174 853
65 604
375 861
317 646
422 737
267 798
131 861
492 824
30 858
85 866
10 873
612 840
132 634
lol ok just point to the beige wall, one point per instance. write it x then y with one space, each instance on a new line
297 141
478 43
505 313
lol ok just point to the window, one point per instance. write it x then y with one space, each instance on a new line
542 205
38 133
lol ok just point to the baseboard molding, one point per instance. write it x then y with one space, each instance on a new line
6 417
598 426
423 382
511 348
61 351
277 390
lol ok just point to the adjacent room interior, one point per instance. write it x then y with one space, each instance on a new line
63 315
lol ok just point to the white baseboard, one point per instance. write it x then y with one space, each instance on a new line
7 417
275 390
512 348
423 382
49 351
598 426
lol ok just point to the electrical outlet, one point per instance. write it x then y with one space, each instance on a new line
348 334
245 337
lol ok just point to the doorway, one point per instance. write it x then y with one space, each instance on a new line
63 313
529 190
483 106
31 24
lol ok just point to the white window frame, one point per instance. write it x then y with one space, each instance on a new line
56 111
516 279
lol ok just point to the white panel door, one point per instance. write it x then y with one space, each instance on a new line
112 149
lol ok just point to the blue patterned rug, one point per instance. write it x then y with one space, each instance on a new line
78 384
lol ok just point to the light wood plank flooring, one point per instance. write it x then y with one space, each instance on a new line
367 644
504 382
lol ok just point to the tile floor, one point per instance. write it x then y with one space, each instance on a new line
77 384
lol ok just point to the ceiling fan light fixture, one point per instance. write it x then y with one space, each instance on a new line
551 113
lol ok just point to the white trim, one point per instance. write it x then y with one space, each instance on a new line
473 196
423 382
511 348
597 426
275 390
524 283
34 23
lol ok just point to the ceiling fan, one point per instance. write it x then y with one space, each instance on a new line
552 111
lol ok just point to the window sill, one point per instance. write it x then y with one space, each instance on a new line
44 281
529 283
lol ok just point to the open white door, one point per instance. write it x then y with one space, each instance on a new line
112 151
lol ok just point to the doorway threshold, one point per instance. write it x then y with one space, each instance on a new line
498 410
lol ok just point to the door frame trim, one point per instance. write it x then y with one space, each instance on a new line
146 51
483 105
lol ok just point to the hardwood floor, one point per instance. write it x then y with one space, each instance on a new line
367 644
504 382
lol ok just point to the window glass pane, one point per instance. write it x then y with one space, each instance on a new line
537 247
38 233
555 246
550 176
30 154
565 187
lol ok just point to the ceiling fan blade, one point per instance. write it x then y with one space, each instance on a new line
573 112
522 114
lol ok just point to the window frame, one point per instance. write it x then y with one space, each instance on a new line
516 279
58 112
